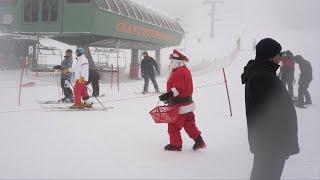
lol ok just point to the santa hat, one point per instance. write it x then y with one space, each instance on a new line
176 55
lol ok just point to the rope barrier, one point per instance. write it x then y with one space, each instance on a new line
117 100
41 85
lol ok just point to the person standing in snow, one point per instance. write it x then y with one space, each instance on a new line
179 94
148 66
287 71
66 76
81 75
94 78
271 115
305 78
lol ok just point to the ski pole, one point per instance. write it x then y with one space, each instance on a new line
97 99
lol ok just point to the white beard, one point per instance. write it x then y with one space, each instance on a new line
175 64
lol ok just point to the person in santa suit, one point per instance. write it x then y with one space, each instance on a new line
81 74
179 94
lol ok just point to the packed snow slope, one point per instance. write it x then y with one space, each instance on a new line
125 143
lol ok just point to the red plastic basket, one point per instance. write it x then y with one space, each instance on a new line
165 114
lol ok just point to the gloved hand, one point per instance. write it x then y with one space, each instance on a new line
166 102
66 71
57 67
81 80
166 96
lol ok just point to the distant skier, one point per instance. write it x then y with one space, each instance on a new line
287 71
148 66
305 78
66 64
179 94
81 74
94 78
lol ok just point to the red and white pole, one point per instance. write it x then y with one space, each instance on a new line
226 84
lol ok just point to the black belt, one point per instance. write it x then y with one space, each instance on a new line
181 100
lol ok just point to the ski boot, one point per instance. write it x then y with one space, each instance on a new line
308 103
87 104
199 143
170 147
74 106
68 100
145 92
62 100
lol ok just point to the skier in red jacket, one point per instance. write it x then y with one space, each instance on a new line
179 94
287 71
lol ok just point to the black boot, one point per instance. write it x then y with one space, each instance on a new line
199 143
170 147
300 105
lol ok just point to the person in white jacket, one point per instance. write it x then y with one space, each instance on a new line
80 69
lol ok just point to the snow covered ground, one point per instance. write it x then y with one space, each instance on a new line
125 143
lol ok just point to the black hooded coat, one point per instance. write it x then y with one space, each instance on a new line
271 115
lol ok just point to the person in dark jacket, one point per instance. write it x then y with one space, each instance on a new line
94 78
271 115
65 81
287 71
304 81
148 67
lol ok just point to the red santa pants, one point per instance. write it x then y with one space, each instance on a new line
187 122
80 91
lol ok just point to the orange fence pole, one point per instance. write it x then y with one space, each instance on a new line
118 78
21 77
226 84
111 75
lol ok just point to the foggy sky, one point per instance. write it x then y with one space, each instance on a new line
252 14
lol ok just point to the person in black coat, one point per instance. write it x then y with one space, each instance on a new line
148 67
271 115
304 81
94 78
65 81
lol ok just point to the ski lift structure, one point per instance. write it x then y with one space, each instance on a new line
121 24
110 59
46 58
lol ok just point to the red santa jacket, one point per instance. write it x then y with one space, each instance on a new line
180 83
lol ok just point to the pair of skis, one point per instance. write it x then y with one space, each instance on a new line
54 106
67 108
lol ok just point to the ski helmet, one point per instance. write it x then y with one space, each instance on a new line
79 51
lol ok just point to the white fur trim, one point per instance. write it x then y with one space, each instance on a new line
175 55
186 109
176 63
175 92
176 60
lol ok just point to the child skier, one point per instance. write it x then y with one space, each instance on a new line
81 75
179 93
